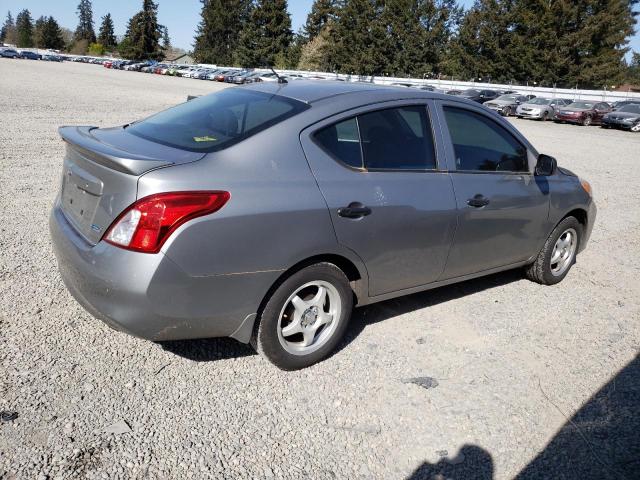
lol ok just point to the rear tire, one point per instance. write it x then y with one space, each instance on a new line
558 253
305 318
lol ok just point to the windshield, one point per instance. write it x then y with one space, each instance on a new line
631 108
216 121
470 93
584 105
539 101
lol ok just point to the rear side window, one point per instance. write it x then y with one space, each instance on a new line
216 121
342 141
480 144
390 139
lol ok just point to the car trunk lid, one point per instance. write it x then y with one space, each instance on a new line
101 169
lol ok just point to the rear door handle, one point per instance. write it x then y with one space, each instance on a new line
354 210
478 201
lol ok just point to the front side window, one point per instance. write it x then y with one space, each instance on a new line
480 144
390 139
216 121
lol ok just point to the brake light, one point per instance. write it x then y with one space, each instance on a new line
148 223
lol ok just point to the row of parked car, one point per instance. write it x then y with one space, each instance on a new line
8 52
623 114
230 75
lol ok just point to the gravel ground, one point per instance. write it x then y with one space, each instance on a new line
508 361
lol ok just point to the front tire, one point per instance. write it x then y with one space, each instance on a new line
305 318
558 253
586 121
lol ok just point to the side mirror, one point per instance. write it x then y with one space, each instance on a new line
546 165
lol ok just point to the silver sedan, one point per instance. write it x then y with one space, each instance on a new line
267 212
541 108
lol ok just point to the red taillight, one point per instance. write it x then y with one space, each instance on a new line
146 225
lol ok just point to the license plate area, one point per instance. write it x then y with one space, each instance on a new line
81 194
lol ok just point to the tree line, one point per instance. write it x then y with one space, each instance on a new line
144 38
547 42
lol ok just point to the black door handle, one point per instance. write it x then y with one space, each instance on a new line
354 210
478 201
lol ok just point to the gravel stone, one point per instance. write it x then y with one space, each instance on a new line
496 343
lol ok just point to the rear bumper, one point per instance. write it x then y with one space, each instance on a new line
149 295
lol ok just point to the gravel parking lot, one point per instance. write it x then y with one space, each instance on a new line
508 362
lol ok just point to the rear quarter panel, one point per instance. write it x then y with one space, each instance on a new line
275 218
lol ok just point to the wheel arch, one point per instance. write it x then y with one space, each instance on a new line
356 276
355 272
579 213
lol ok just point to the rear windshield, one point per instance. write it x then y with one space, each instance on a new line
216 121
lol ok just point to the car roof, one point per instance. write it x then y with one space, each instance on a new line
311 91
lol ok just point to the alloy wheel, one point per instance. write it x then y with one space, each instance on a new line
309 317
563 252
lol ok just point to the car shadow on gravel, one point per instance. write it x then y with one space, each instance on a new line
208 349
601 441
378 312
212 349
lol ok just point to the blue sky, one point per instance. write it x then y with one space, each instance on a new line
180 16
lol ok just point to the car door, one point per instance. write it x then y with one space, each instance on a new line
556 105
502 207
389 202
601 109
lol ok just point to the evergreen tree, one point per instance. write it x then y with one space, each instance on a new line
266 36
632 74
484 47
38 31
546 42
7 34
50 34
593 37
219 30
107 36
582 42
357 40
417 34
166 40
313 53
85 31
24 29
322 11
142 40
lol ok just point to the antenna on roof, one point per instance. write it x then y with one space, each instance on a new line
280 79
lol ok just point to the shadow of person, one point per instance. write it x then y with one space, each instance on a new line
471 463
601 441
